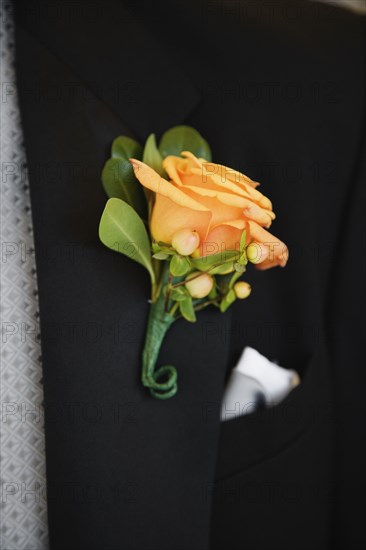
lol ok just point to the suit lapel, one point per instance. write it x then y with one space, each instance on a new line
110 50
123 469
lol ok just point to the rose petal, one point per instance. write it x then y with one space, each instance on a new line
222 237
153 181
233 175
220 212
193 171
173 166
238 224
168 218
250 210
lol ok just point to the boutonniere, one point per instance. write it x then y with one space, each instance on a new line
193 224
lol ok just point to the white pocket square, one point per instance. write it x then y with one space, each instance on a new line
255 383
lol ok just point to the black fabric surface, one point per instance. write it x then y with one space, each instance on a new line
277 89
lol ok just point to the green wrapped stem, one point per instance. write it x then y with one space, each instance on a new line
162 381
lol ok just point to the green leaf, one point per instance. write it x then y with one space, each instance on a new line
223 269
240 265
119 182
122 230
179 265
179 294
163 247
227 301
204 263
243 239
187 310
152 156
125 147
160 256
214 293
184 138
235 277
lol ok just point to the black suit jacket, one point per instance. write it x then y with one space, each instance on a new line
277 90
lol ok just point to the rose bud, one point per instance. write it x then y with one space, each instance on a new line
199 284
218 215
185 241
242 290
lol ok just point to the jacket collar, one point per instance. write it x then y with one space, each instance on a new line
118 58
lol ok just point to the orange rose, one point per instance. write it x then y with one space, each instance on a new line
215 201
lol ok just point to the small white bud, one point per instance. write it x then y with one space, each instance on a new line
242 290
199 284
185 241
257 253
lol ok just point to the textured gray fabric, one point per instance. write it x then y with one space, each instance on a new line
23 487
